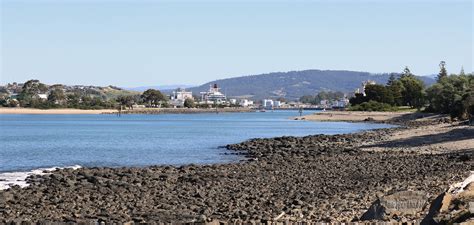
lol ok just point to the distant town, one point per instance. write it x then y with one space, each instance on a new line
35 94
399 92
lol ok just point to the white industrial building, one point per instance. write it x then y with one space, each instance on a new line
180 95
267 103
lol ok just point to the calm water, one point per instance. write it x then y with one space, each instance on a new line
41 141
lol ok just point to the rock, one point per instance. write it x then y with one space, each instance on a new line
397 204
369 119
456 205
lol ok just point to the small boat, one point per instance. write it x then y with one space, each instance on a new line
262 110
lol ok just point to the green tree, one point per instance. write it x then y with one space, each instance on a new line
413 91
126 101
189 103
442 71
73 100
391 79
406 73
57 96
153 97
307 99
378 93
372 106
396 89
29 95
462 73
452 95
358 99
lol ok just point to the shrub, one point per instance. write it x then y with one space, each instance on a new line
373 106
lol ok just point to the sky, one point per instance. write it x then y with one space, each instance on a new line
150 43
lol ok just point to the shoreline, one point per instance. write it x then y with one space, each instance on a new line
395 118
68 111
64 111
272 185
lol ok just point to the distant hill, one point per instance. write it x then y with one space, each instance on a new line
294 84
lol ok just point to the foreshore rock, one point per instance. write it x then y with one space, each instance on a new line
456 205
408 204
318 178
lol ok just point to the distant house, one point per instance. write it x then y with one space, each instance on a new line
245 103
43 96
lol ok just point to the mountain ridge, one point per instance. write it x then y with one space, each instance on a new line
294 84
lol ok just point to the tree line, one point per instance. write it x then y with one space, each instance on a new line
35 94
322 95
451 94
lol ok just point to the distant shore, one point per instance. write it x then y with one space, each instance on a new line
54 111
182 110
114 111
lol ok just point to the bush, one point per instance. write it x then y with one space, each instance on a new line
189 103
373 106
452 95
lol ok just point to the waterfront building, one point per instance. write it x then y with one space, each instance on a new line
245 103
267 103
180 95
214 95
341 103
277 104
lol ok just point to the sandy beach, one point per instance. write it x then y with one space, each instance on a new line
54 111
436 138
355 116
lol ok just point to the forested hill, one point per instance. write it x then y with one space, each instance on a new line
294 84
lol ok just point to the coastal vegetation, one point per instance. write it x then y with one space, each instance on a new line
321 96
189 103
374 106
451 94
153 97
34 94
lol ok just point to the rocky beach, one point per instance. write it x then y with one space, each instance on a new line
318 178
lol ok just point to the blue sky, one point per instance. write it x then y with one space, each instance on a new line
138 43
